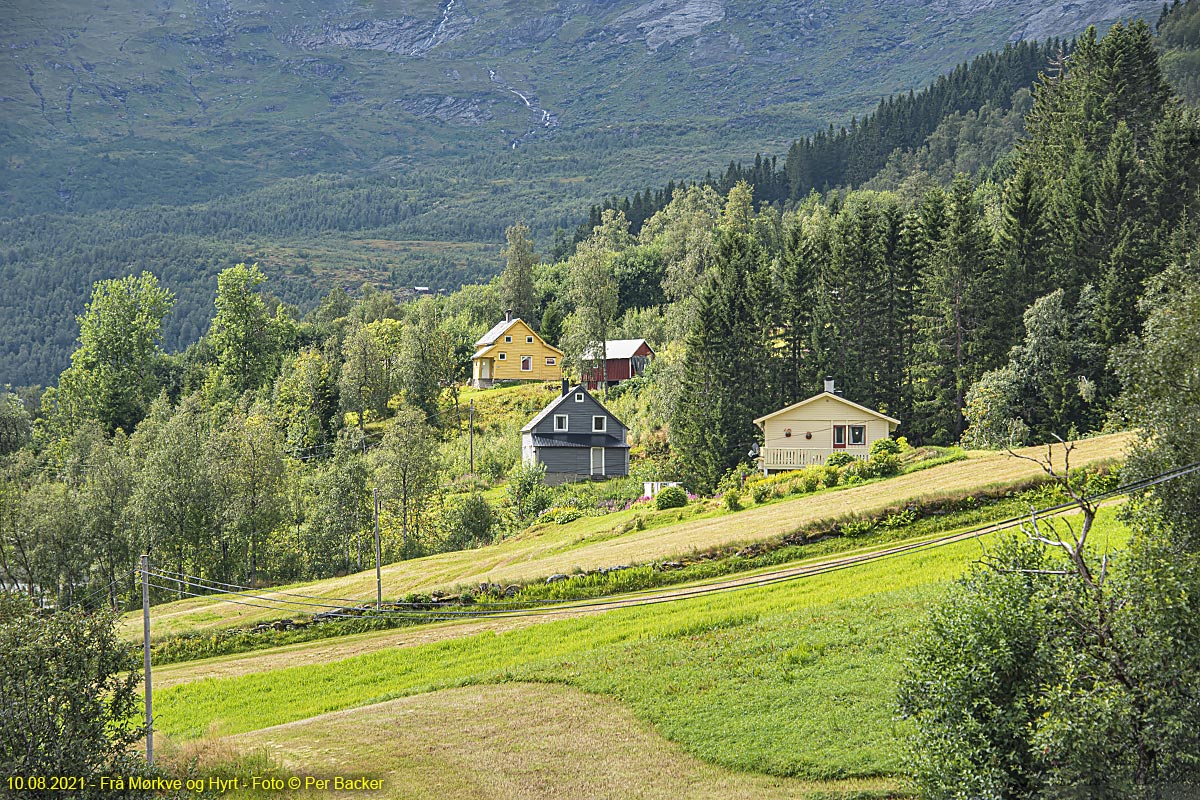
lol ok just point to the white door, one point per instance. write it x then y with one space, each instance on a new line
485 368
597 460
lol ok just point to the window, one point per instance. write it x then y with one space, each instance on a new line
579 397
599 424
528 340
858 434
508 340
501 356
526 363
560 422
839 437
551 361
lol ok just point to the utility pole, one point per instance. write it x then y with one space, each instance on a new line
378 573
146 649
471 435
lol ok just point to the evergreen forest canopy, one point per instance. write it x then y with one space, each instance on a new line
982 313
117 164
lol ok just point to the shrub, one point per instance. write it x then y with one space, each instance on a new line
472 522
829 476
527 494
671 497
856 527
69 685
732 500
885 447
863 470
839 460
761 492
886 465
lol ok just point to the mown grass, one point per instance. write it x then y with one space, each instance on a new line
594 542
568 744
796 679
807 545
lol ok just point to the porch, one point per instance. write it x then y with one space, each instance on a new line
779 459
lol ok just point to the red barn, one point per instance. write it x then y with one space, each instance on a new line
626 359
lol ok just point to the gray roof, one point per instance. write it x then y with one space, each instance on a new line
578 440
618 348
496 332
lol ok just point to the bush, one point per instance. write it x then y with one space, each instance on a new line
886 465
732 500
839 460
761 492
671 497
69 686
885 447
472 523
829 476
527 493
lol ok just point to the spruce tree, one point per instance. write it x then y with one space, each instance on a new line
517 290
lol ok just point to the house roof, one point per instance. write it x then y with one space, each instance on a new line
581 440
496 332
485 342
831 396
619 348
558 401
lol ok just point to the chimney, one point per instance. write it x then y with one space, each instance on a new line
829 384
508 315
566 387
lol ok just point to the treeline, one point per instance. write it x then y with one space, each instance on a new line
851 156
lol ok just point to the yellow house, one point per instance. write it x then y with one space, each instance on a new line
512 351
808 432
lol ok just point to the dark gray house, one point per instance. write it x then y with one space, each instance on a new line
576 438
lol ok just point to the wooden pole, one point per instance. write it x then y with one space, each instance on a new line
146 651
378 572
471 435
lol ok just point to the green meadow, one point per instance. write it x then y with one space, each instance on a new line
795 679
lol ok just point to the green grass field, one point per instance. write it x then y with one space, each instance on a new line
593 542
796 679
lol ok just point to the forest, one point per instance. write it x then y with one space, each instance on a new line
988 314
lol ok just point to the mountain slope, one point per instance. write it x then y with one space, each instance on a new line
393 142
197 98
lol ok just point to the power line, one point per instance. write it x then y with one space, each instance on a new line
654 596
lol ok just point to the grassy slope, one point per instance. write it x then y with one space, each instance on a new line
534 741
592 542
795 679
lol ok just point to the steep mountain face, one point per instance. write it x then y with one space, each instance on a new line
214 95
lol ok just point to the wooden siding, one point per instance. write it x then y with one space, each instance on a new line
579 418
509 368
620 369
574 463
818 418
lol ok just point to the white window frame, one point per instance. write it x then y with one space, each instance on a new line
528 340
526 360
551 361
508 340
501 357
579 397
603 424
850 435
566 423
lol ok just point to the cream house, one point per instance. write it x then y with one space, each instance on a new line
808 432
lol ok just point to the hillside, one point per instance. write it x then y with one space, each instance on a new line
187 138
793 681
594 542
